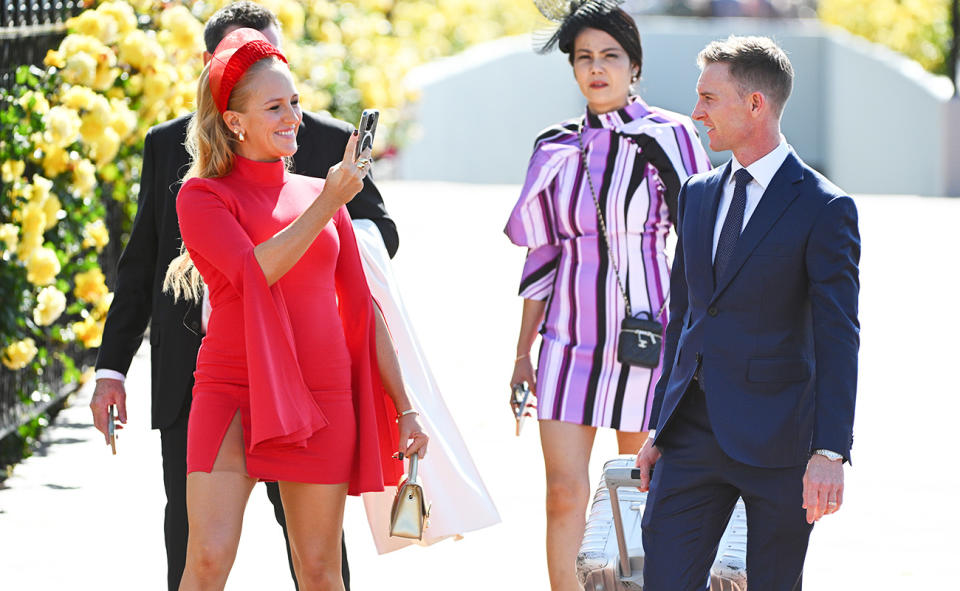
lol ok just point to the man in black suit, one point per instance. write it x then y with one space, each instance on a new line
176 328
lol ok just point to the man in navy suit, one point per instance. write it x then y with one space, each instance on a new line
760 357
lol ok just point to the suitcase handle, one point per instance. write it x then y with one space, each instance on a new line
615 478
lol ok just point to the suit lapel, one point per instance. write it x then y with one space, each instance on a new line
708 216
783 189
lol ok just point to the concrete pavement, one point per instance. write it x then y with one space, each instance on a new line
75 517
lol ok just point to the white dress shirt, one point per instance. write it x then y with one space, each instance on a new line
762 172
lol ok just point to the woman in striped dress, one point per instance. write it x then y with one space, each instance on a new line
638 158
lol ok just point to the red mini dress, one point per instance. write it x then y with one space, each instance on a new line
297 359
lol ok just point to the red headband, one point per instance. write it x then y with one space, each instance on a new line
234 55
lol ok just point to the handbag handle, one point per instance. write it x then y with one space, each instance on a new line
603 229
412 471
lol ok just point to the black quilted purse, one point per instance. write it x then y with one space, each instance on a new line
641 338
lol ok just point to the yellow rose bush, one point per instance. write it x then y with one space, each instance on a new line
919 29
71 138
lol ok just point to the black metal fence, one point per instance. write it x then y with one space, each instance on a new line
28 28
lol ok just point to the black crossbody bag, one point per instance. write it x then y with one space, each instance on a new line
641 336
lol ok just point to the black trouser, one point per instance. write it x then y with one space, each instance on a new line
173 445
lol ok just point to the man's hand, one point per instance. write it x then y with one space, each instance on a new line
822 487
108 391
646 459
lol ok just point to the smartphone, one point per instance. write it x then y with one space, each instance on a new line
112 427
520 403
367 130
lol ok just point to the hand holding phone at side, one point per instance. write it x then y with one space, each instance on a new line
108 391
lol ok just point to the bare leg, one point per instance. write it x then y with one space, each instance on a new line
215 504
630 442
315 525
566 454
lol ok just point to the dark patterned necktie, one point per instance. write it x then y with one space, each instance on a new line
733 224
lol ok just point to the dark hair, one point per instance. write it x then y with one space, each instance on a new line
239 14
605 16
757 64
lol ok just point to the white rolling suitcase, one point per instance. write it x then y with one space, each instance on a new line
611 553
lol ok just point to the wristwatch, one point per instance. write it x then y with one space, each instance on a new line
830 455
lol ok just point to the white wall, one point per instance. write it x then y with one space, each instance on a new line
872 120
889 126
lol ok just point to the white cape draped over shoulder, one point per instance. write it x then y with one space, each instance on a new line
451 482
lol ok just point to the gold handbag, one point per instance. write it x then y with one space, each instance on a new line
409 514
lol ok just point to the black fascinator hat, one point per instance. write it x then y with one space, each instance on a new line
569 17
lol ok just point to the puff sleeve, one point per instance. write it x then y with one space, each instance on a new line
533 223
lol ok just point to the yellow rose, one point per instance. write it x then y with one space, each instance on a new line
77 97
89 286
42 266
9 235
33 217
105 147
291 17
96 234
12 170
93 23
98 115
122 13
135 84
157 83
123 120
89 332
54 59
81 68
50 305
140 50
84 177
105 77
182 29
55 160
19 354
40 188
53 212
40 104
29 243
62 126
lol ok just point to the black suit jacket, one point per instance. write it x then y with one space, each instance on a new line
155 241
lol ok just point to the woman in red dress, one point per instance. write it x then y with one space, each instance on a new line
297 380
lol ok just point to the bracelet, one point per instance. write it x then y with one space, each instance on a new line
409 411
524 356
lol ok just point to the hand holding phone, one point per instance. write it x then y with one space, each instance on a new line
367 131
521 404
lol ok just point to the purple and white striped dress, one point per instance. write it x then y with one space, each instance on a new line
638 156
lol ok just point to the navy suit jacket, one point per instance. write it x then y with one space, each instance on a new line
777 336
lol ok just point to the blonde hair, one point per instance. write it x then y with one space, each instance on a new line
210 144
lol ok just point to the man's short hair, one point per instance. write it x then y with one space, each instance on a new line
239 14
757 64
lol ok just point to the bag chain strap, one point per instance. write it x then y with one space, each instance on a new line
603 228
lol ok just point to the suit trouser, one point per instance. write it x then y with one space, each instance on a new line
173 445
694 489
